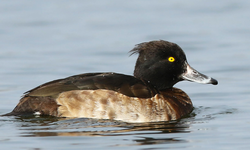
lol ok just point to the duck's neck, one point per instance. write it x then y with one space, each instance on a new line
158 81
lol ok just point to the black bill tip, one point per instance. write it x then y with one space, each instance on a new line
213 81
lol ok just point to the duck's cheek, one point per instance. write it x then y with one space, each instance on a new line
193 75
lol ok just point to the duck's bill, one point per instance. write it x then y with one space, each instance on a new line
192 75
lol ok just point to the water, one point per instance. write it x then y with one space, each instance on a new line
47 40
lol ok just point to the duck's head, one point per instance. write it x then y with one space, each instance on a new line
163 64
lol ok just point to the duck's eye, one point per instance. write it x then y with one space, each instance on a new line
171 59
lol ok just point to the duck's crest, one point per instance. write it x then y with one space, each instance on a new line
151 46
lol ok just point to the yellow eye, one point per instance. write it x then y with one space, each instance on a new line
171 59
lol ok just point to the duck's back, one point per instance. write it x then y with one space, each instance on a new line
125 84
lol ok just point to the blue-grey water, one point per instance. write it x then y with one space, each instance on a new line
45 40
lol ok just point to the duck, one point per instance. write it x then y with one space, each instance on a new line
146 96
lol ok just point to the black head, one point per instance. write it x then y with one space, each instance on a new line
162 64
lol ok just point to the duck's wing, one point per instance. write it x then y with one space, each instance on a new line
42 100
124 84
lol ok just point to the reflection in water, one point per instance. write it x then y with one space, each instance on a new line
52 126
105 128
149 141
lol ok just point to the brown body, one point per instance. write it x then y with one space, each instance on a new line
105 96
108 104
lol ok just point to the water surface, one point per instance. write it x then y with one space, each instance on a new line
46 40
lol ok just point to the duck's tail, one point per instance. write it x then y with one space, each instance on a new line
34 105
